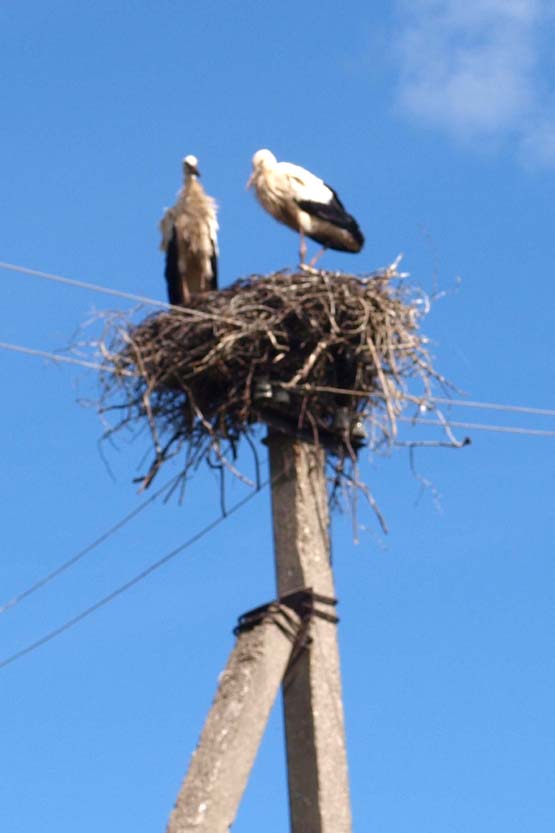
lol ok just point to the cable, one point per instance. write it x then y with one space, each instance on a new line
81 554
491 406
105 290
93 287
477 426
456 402
18 348
474 425
423 400
70 623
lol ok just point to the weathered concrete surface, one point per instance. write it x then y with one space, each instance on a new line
219 769
315 734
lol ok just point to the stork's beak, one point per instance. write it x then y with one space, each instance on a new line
249 181
192 170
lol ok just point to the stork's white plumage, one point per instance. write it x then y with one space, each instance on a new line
304 202
189 238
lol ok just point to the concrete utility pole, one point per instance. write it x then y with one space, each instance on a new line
316 753
292 640
220 767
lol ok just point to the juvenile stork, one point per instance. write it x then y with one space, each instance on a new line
189 238
304 202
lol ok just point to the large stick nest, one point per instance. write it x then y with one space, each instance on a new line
309 354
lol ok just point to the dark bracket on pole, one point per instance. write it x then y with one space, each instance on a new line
268 612
303 602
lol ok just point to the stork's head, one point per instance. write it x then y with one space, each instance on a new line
190 166
262 160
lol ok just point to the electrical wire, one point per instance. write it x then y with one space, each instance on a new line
424 399
92 287
102 602
459 403
44 354
46 579
105 290
491 406
17 348
477 426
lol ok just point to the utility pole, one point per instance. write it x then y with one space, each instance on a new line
314 725
291 641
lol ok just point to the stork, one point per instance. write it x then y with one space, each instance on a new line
189 238
304 202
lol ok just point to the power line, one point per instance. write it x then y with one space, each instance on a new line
70 623
17 348
477 426
474 425
92 287
491 406
425 399
46 579
31 351
106 290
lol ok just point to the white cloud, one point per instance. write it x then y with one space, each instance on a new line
473 68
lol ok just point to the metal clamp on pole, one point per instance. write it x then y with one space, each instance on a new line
279 614
304 602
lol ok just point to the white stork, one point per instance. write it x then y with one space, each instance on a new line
304 202
189 238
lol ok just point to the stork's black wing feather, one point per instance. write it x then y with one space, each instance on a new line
335 199
173 278
332 212
214 265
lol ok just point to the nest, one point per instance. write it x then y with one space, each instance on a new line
314 355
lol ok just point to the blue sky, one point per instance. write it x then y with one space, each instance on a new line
435 122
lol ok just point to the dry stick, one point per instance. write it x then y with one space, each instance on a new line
384 384
447 429
309 363
215 445
256 459
148 409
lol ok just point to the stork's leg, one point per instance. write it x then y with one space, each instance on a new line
317 256
302 250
